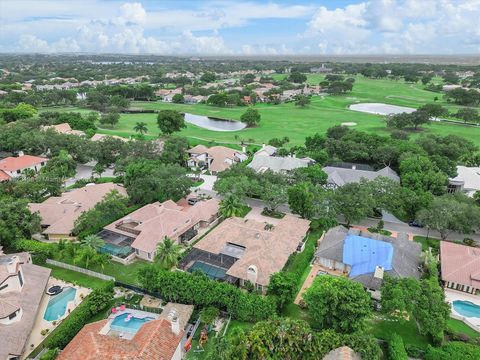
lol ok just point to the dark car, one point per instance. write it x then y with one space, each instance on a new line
414 223
192 201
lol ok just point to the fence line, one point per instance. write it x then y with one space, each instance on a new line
80 270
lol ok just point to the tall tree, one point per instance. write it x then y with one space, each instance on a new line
301 199
354 202
251 117
338 303
141 128
168 253
170 121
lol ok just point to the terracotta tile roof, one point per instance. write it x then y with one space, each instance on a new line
154 340
100 137
342 353
268 250
60 212
460 264
157 220
4 176
21 162
63 128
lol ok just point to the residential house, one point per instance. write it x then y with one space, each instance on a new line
12 167
63 128
278 164
247 100
58 213
101 137
142 230
22 287
161 337
240 250
467 180
290 94
460 267
365 257
339 176
190 99
214 159
266 150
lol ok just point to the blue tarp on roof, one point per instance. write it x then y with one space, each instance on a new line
364 254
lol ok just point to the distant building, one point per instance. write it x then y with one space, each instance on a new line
467 180
460 265
278 164
321 70
339 176
63 128
12 167
215 159
266 150
101 137
58 213
365 257
22 288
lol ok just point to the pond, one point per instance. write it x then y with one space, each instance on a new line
380 109
213 123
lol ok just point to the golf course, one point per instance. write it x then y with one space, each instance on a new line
298 122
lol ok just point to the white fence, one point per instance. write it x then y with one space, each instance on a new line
80 270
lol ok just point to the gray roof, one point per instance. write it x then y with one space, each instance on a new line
269 149
406 254
13 337
340 176
277 164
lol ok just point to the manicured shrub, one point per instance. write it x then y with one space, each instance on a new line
34 246
453 351
396 348
199 290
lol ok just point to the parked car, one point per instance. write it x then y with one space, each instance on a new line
414 223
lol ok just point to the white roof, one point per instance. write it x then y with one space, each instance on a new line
469 176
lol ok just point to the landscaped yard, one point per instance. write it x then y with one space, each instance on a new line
428 243
75 277
460 327
382 329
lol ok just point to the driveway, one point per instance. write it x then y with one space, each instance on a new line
256 214
85 171
208 182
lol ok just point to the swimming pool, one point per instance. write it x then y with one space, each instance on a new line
58 304
466 308
130 326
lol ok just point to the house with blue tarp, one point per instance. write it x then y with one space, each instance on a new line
365 257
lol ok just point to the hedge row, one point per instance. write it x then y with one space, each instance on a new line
197 289
396 348
97 301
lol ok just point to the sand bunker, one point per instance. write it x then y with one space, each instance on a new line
349 124
380 109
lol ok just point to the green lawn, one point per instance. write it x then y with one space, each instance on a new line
460 327
297 123
426 243
75 277
382 329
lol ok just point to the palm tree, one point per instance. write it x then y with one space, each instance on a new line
92 241
102 260
86 255
141 127
168 253
231 206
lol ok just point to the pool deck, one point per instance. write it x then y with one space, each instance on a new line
40 323
451 295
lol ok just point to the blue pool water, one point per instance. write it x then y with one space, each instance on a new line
58 304
131 326
466 308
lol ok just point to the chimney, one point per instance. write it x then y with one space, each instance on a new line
354 167
263 146
294 155
21 153
175 325
244 149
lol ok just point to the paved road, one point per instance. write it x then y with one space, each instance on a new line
391 223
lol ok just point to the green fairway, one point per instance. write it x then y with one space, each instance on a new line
297 123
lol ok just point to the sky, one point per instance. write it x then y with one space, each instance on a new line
241 27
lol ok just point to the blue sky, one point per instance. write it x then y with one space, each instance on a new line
241 27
